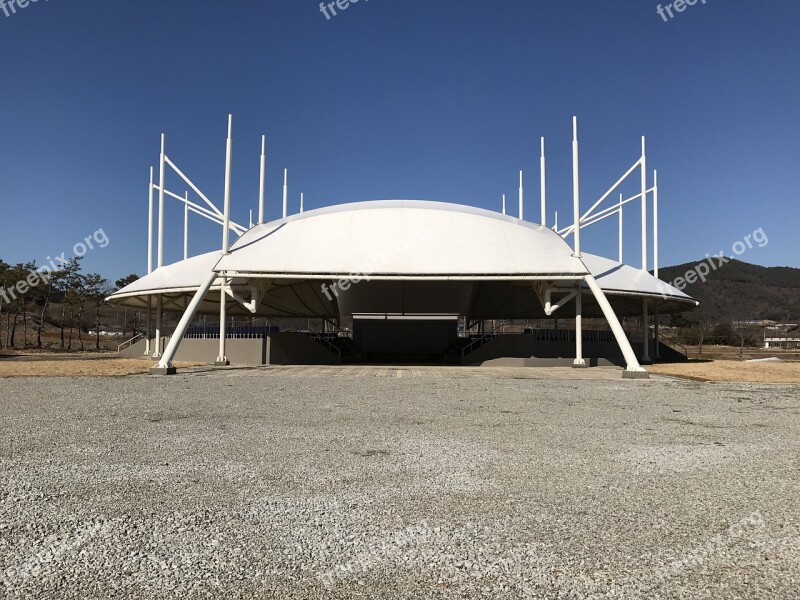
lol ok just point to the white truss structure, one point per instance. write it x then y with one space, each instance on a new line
208 210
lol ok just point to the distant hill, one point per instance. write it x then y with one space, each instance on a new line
740 291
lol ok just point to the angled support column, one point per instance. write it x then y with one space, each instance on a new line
164 366
633 369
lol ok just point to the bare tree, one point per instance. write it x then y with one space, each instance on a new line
747 334
704 329
118 285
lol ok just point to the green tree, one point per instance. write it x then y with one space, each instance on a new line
67 284
18 292
95 289
4 267
44 293
125 281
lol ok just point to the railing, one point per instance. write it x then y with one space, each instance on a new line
675 345
568 335
480 341
545 335
245 332
129 343
320 339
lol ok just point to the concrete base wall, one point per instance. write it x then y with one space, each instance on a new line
276 349
298 349
526 348
136 350
546 362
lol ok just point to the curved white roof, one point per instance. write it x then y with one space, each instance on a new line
393 240
406 238
183 276
616 278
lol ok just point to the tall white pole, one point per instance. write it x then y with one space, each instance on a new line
620 229
645 316
657 348
186 227
504 204
222 360
644 206
579 362
162 164
149 260
521 197
655 223
285 193
251 218
150 224
555 223
263 179
159 316
576 190
227 202
645 333
543 165
301 202
576 211
160 299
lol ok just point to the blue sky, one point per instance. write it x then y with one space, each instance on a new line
425 99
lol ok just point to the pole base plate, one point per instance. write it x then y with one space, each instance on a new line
163 371
635 374
222 363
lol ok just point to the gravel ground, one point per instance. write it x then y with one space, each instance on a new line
215 486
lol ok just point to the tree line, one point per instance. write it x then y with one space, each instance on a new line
67 299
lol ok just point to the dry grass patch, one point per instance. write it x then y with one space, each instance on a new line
732 370
113 367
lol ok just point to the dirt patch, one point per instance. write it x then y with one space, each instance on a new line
112 367
731 370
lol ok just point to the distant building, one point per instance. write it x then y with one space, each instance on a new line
762 323
785 343
107 332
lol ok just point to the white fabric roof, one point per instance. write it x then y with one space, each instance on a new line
402 237
399 239
614 277
186 275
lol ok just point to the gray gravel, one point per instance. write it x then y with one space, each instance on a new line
222 486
